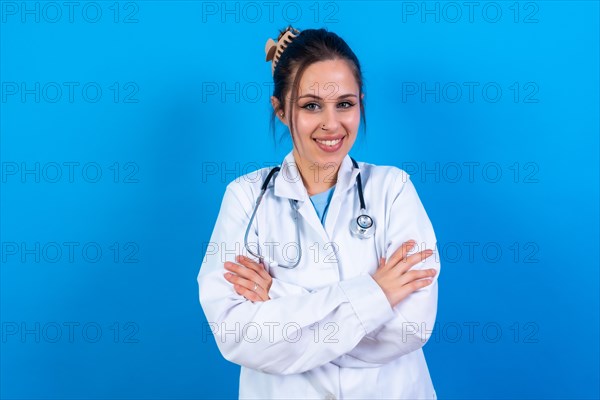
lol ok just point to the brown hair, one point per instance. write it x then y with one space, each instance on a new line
309 47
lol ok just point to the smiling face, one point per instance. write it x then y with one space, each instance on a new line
326 116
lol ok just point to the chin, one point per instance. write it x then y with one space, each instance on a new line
333 158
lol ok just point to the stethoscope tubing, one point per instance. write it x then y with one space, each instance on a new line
360 233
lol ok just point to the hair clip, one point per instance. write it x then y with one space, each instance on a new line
274 50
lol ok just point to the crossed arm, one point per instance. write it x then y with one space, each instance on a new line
393 339
376 324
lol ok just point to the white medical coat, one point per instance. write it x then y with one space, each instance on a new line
328 331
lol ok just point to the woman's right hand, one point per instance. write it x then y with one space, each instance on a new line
394 277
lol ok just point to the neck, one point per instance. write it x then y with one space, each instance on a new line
317 178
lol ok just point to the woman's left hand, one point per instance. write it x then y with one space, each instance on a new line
248 276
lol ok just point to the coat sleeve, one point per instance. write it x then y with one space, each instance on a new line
281 335
415 316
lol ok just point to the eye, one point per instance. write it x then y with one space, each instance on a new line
345 104
310 107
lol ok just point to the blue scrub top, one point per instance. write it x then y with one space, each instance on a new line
321 203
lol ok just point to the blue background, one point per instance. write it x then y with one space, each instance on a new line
192 113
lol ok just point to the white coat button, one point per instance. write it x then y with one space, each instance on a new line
329 396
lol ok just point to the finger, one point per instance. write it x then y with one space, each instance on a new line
413 275
247 284
412 260
400 253
258 296
237 289
242 291
249 294
414 286
245 272
241 281
258 268
233 279
250 277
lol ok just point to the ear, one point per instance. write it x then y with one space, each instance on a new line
278 111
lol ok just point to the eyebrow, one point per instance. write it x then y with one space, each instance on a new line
320 98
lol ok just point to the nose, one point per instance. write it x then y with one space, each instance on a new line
330 121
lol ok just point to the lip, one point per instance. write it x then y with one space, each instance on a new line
330 149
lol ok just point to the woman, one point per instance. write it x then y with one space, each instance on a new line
328 306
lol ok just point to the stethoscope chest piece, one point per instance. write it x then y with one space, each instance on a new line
362 227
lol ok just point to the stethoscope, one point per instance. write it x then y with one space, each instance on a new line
361 227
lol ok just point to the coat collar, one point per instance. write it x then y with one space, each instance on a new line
289 184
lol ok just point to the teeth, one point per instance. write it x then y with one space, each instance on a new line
329 142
